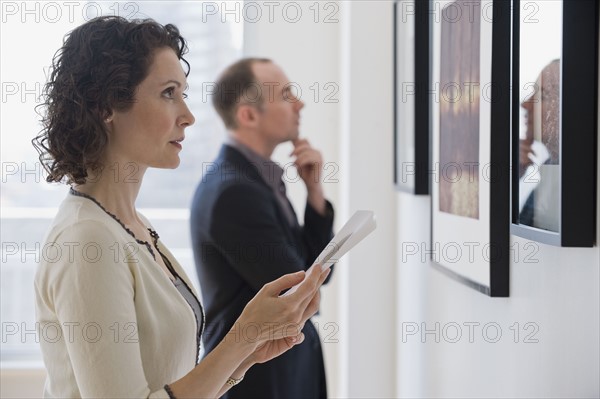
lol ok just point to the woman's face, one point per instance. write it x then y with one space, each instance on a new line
149 134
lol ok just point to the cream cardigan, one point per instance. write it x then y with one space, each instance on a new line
111 323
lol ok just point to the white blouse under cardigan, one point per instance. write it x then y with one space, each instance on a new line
111 322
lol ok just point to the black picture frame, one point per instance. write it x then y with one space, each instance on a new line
411 92
482 240
578 134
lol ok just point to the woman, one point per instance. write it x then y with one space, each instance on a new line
117 314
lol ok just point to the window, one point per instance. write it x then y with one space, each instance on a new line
28 204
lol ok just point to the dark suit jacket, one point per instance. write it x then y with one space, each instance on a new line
241 241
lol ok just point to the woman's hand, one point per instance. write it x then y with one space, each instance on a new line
274 322
269 325
271 349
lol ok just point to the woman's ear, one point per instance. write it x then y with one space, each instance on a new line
108 116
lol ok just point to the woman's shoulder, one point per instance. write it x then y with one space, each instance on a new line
80 243
80 218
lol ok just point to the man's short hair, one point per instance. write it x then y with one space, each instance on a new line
236 85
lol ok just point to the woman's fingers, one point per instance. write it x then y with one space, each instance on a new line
298 339
313 306
305 290
310 305
284 282
305 298
324 275
320 276
284 316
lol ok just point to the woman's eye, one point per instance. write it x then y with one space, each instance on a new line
169 92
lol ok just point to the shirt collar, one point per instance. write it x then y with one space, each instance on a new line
269 170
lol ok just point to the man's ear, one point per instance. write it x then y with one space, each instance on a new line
246 115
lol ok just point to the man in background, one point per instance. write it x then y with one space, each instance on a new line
245 232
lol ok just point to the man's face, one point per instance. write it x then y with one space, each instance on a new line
279 115
543 109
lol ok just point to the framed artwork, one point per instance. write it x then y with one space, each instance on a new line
554 126
411 92
471 143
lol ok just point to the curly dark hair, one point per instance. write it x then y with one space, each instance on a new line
96 71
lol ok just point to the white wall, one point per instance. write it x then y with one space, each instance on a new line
369 291
559 294
557 289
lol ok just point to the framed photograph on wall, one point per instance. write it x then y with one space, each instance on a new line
554 126
471 143
411 92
